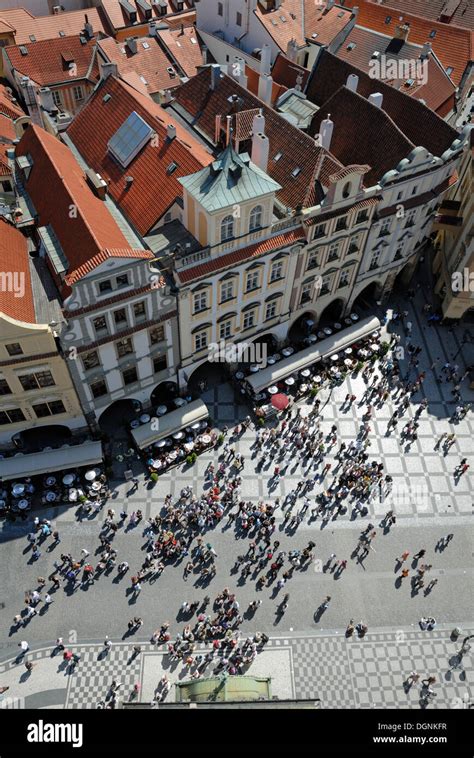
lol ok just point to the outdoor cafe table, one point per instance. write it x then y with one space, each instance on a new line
23 504
18 489
50 496
68 479
161 410
51 480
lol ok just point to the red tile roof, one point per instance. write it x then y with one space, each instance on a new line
253 80
462 10
119 19
148 62
7 130
7 106
297 149
286 72
48 61
238 256
153 190
324 25
181 48
284 24
56 185
417 123
15 262
48 27
453 45
437 92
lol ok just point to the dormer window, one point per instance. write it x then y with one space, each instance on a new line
227 228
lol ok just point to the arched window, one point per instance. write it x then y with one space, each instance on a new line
256 218
227 228
346 190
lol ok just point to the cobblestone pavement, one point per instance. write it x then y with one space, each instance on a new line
342 673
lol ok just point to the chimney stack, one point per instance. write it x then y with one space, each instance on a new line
132 45
352 82
258 123
107 69
265 83
325 131
376 98
292 50
260 150
330 4
45 97
426 51
170 132
238 71
402 31
265 59
215 75
204 51
227 129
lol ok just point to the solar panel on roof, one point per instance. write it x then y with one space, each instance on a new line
129 139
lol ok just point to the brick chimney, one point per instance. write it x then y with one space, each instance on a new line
402 31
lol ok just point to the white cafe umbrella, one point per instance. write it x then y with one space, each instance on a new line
273 390
335 357
348 351
90 475
290 381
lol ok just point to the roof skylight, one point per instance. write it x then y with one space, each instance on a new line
129 139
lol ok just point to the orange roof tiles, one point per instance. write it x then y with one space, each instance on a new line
48 27
7 106
324 26
58 188
15 262
286 72
296 150
238 256
48 62
453 45
149 62
436 92
461 14
417 123
153 190
7 130
252 84
284 24
119 19
184 47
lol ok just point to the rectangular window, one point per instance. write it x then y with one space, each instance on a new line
200 302
159 363
124 347
220 9
313 261
249 319
270 310
14 348
341 224
57 99
252 281
105 286
333 254
238 19
98 388
100 324
49 409
122 280
306 295
225 330
374 260
120 316
157 334
139 310
354 243
35 381
227 291
325 285
4 387
11 416
362 216
78 93
410 218
344 279
276 272
90 360
385 228
319 231
200 341
130 375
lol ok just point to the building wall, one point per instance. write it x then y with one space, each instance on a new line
39 354
207 20
81 338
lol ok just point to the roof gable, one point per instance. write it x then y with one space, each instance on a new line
52 61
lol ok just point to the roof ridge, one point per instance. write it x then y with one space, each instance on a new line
439 24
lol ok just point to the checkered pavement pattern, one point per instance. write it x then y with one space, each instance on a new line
370 673
91 680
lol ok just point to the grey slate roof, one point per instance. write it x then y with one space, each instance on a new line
230 179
